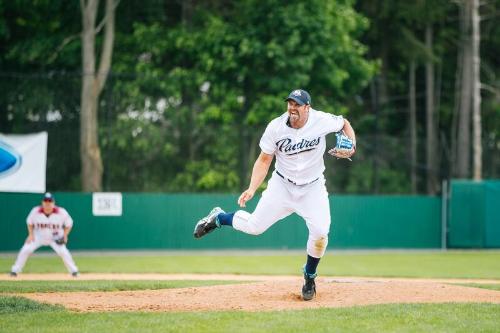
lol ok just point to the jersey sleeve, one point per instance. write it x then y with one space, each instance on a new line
333 123
267 142
30 220
67 220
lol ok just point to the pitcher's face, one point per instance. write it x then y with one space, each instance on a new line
297 113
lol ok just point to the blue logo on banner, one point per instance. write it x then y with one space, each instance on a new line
10 159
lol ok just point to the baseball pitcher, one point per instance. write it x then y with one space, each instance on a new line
297 140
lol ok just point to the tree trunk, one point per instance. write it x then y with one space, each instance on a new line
245 164
382 89
92 85
442 151
430 117
187 11
453 169
464 110
252 150
413 126
245 160
375 106
476 99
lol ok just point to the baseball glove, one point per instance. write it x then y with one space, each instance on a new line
344 148
60 241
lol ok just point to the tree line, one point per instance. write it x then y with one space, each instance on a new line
167 95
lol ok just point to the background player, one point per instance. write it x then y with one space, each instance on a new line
49 225
297 139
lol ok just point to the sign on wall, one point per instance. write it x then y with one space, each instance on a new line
107 204
23 160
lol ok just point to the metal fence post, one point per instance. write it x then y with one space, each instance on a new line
444 214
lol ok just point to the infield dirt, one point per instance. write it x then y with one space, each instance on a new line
261 293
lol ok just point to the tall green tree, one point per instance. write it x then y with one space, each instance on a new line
39 80
420 38
194 83
231 71
93 81
477 144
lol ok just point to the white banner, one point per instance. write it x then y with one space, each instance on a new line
23 160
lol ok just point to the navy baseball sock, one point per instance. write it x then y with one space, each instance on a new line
311 265
225 219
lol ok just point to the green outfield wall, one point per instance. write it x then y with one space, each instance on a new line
166 221
469 216
474 214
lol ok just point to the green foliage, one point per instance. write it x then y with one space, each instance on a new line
202 175
192 86
35 31
3 25
219 73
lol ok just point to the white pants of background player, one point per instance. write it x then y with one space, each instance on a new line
282 198
29 248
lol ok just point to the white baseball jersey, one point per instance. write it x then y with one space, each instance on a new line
47 228
300 186
299 152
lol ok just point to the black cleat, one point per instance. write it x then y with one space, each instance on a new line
309 287
75 274
207 224
13 274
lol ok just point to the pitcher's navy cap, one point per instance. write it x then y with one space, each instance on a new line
300 96
48 197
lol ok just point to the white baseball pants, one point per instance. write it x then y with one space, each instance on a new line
29 248
282 198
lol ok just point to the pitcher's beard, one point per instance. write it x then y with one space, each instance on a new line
294 117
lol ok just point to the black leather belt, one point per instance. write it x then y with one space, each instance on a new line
291 181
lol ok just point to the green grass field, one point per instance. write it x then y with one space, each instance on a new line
18 314
104 285
452 264
382 318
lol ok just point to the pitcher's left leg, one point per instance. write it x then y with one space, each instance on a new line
315 209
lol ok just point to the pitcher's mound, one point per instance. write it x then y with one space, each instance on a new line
266 293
